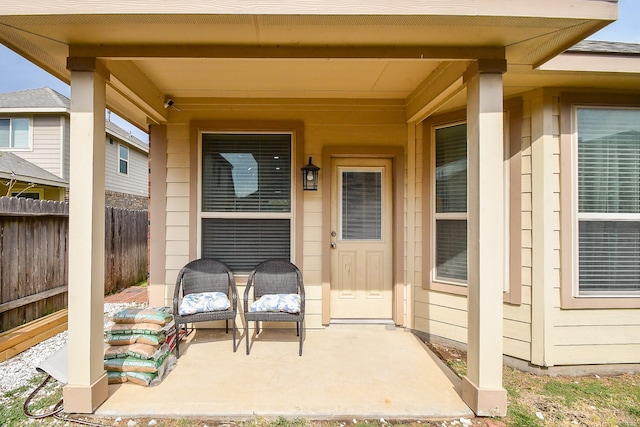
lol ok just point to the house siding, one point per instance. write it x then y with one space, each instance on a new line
137 181
445 315
536 329
326 123
178 204
584 336
45 149
517 317
66 146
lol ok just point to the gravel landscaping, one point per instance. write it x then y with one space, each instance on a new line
20 369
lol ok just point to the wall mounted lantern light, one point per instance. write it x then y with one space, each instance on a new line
310 176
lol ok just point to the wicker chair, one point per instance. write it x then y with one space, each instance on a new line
205 275
269 278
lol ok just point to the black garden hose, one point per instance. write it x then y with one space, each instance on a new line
55 412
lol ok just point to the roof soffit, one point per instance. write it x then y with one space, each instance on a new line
136 46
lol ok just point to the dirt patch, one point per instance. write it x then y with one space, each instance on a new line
540 401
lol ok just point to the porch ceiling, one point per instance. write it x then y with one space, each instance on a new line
334 53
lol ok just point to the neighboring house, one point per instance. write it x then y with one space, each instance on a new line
35 123
479 164
24 179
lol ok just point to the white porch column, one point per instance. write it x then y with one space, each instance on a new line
87 387
482 387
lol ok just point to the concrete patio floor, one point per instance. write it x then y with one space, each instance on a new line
345 372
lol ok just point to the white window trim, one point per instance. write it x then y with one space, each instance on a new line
444 215
128 160
249 215
576 216
29 137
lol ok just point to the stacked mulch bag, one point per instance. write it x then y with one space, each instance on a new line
138 345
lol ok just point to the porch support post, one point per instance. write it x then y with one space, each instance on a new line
159 295
87 386
482 387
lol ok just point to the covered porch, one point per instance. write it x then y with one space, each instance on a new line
336 74
345 372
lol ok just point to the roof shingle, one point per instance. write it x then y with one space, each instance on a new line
44 97
593 46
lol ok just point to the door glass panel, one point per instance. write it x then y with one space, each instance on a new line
361 205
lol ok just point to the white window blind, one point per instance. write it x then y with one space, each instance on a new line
608 201
246 198
244 243
451 203
361 205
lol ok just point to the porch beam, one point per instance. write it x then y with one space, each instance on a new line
482 387
87 387
131 86
442 84
137 88
115 51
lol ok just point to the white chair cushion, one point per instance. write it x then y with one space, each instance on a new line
204 302
287 303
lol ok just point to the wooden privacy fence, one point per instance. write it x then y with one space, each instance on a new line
34 243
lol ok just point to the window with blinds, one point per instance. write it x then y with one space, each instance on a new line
451 204
246 198
608 201
361 205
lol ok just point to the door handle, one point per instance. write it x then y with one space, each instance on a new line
333 245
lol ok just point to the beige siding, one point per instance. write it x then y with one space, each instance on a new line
177 228
560 336
446 315
46 150
136 182
66 146
517 318
356 123
579 336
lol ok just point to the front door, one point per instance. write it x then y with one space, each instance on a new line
361 239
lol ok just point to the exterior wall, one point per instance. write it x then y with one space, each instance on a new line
517 324
66 145
536 328
326 123
436 313
45 149
125 201
444 314
597 335
44 192
137 181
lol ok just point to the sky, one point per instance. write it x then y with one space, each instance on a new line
17 73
